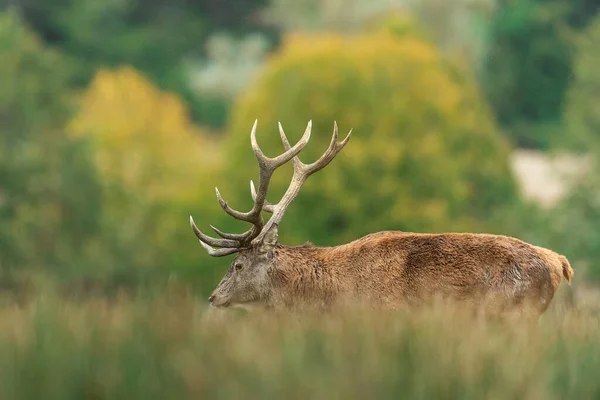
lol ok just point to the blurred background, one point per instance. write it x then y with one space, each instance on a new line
119 117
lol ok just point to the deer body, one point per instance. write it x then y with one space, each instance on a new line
397 269
389 269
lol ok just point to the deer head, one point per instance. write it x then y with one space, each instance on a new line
248 279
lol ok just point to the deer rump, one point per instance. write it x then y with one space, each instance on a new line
498 272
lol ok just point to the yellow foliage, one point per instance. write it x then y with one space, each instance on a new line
153 162
144 137
425 154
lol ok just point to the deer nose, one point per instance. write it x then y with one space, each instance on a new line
211 298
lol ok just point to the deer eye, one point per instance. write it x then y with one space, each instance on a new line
238 267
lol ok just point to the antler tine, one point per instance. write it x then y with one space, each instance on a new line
273 163
301 173
269 165
235 214
228 246
333 149
213 241
240 237
268 207
330 153
218 252
286 143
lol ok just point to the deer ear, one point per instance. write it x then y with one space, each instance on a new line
270 240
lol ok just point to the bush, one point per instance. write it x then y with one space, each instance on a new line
425 154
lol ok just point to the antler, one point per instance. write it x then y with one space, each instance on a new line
231 242
301 173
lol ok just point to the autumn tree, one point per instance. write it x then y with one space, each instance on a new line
425 154
152 161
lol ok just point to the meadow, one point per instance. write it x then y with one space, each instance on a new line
173 347
118 119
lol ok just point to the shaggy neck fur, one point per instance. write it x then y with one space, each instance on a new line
306 276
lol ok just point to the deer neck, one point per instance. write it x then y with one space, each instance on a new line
302 276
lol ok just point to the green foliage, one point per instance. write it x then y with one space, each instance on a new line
155 37
582 12
49 189
151 38
572 225
170 349
528 69
582 119
424 154
530 65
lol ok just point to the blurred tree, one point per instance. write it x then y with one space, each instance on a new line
459 27
529 66
527 70
580 211
152 36
582 12
229 66
424 156
238 17
152 161
571 226
582 108
398 24
156 37
48 188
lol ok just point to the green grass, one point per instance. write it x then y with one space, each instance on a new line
172 347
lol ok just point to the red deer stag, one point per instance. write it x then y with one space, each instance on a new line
387 269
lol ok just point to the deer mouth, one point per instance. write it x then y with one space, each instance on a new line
221 305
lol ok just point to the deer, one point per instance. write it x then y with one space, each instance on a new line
384 270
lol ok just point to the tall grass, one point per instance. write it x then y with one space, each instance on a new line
173 348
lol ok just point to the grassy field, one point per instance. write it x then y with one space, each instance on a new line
172 347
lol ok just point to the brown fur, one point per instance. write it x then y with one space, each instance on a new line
395 269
